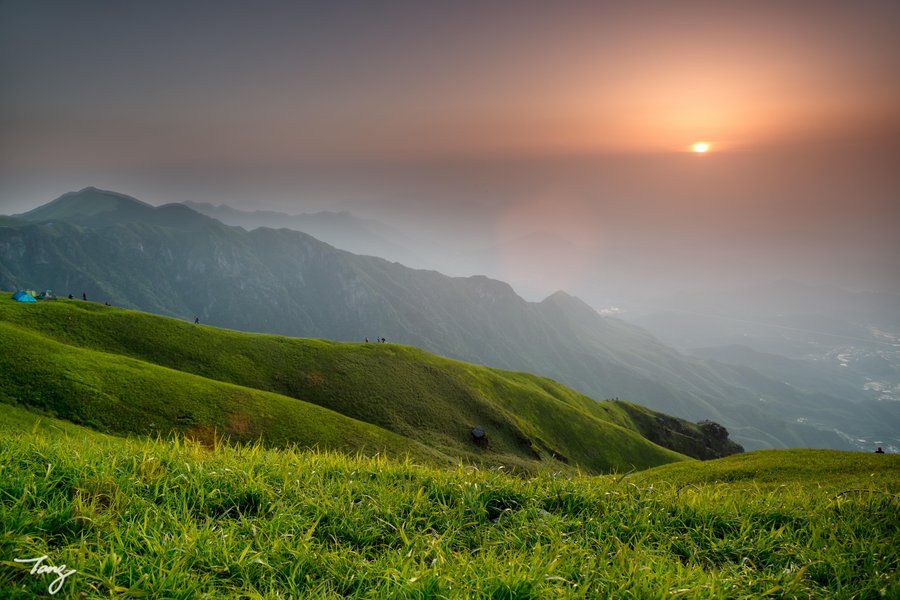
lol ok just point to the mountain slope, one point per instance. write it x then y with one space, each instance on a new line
287 282
342 230
120 370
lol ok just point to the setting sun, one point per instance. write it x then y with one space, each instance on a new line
700 147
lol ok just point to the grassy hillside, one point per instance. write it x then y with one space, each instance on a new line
174 519
809 469
128 372
117 394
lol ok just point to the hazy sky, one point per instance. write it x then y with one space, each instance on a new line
495 120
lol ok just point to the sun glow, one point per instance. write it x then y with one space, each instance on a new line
700 147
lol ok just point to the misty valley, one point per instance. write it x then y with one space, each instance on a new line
251 409
784 366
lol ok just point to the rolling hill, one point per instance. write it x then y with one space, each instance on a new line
173 518
127 372
173 261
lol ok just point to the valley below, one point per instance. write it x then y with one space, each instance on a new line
174 261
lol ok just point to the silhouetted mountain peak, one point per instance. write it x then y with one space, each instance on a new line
93 207
569 303
89 201
559 296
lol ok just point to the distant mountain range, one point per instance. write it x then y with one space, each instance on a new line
821 340
174 261
342 229
785 317
514 260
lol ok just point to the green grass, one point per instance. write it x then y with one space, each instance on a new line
825 469
129 372
117 394
174 519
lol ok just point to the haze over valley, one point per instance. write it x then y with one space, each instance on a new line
173 260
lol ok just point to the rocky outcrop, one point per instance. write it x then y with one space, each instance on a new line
704 440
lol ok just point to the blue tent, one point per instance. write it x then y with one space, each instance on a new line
23 297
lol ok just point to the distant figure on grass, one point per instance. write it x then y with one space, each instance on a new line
196 320
879 450
71 296
84 296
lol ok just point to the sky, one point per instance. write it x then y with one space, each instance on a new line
548 143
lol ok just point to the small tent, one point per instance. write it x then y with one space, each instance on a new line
23 297
46 295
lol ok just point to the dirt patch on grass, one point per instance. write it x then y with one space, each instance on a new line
238 423
243 426
205 435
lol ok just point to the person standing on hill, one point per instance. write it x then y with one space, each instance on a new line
84 296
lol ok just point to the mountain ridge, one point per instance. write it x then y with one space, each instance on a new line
288 282
341 229
93 207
